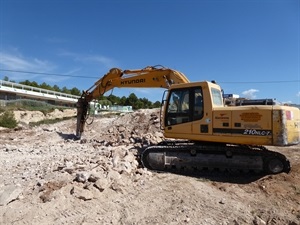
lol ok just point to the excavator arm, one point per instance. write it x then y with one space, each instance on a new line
148 77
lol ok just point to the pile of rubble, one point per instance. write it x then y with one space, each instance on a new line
116 146
106 158
137 129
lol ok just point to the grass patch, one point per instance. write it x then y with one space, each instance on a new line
48 121
31 105
7 119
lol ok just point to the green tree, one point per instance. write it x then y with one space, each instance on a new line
104 102
131 100
26 82
34 84
56 88
115 100
66 90
146 103
138 105
123 101
102 97
156 104
45 86
75 91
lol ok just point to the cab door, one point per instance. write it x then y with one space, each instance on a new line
202 127
200 123
184 117
178 114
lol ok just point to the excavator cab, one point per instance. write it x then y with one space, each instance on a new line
189 108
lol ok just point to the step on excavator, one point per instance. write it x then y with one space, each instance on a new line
201 131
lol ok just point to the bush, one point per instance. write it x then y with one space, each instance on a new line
7 119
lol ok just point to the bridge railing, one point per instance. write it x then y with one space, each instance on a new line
21 88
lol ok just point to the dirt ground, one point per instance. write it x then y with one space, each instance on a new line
49 177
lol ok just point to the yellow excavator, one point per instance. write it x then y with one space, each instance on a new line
201 131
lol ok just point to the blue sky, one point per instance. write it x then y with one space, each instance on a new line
250 47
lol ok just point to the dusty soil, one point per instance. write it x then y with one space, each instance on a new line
49 177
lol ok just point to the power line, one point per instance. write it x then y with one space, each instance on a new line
258 82
224 82
48 74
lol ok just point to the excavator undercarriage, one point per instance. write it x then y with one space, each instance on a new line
197 156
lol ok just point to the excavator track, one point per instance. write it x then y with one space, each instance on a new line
178 156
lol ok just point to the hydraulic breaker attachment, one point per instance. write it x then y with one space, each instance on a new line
82 109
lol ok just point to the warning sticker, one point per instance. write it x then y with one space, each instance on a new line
250 117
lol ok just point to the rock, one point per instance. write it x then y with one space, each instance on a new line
82 177
129 158
102 184
187 220
83 194
126 166
93 177
48 188
121 152
258 221
83 141
69 167
121 129
9 194
144 171
113 175
115 160
222 201
117 187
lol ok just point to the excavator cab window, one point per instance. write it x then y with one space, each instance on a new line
184 105
198 106
217 97
178 107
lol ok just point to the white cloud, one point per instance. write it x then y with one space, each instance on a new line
287 102
89 58
16 62
250 93
13 60
298 94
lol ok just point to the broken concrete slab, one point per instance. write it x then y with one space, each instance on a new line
9 193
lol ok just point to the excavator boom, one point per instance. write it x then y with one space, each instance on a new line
148 77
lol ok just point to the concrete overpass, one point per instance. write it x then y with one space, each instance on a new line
12 91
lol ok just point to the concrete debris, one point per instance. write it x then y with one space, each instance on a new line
9 193
82 194
102 184
259 221
82 177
